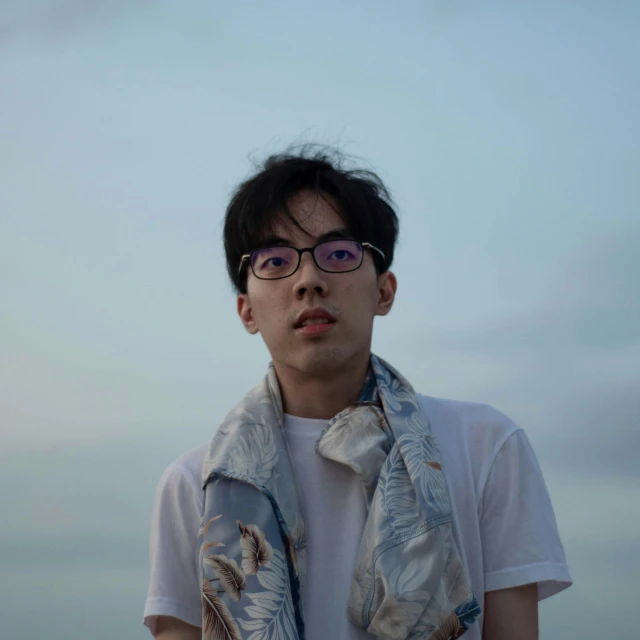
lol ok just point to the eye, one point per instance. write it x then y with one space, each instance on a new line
275 261
341 254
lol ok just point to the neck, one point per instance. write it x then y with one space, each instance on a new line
321 396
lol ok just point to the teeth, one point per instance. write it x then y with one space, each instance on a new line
314 321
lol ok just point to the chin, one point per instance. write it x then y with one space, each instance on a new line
324 360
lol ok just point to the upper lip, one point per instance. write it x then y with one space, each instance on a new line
315 312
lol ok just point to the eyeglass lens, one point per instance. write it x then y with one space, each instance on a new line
333 256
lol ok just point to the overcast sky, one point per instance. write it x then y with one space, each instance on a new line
508 134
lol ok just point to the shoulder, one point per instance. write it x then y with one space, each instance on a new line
469 420
469 436
190 462
184 473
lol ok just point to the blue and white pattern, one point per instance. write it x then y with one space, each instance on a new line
409 581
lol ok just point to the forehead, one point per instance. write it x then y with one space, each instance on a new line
316 214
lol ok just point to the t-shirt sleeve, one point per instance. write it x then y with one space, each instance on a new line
174 586
520 539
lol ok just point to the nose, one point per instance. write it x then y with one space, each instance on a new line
308 279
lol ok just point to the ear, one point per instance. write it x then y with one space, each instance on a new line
246 314
387 286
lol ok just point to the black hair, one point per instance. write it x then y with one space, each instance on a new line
363 202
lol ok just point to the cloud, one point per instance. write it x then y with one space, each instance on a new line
54 388
53 20
563 363
589 300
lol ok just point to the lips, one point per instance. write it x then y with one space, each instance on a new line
317 316
313 322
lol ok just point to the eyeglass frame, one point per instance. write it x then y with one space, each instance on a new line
364 245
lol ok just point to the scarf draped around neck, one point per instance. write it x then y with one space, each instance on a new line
408 582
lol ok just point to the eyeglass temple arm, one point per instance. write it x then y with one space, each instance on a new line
242 259
370 246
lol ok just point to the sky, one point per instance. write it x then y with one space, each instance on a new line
508 134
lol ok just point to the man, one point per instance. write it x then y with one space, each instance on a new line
334 501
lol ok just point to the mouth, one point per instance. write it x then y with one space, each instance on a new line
315 327
314 322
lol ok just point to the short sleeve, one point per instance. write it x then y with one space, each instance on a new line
520 539
174 588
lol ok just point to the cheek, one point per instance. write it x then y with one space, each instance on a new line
361 300
269 311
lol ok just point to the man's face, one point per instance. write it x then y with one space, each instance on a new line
273 307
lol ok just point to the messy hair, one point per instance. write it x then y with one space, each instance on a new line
362 200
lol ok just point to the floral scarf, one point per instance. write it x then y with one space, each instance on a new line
409 581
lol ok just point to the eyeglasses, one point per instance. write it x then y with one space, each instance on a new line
332 256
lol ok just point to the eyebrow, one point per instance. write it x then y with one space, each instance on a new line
334 234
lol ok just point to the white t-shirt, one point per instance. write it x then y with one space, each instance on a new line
503 520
